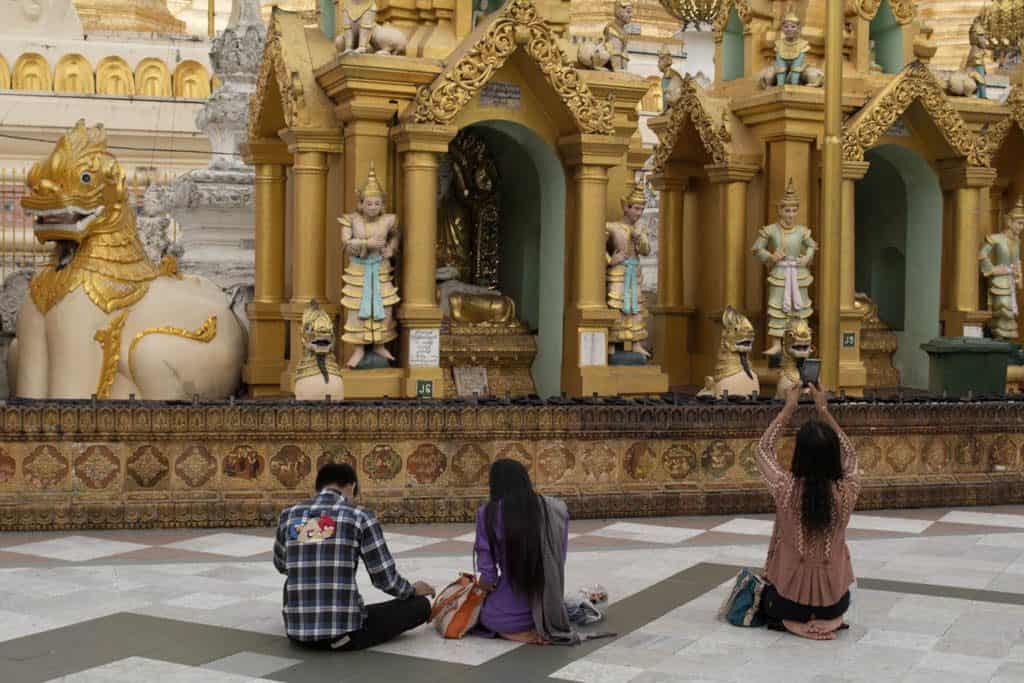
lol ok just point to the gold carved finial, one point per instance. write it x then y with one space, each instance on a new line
372 187
790 198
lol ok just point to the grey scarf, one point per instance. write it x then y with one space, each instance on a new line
550 617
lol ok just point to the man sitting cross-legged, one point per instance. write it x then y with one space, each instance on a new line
318 547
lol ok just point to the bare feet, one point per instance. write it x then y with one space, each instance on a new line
530 637
356 357
639 348
383 352
825 625
805 631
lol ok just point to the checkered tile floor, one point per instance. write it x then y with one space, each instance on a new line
939 598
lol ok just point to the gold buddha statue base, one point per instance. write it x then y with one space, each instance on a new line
505 349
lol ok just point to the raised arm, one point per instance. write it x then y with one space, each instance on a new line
377 558
764 454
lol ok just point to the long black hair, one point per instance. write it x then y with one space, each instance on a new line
512 492
817 464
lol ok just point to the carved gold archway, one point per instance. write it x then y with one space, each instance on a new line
5 74
518 25
995 135
73 74
743 11
916 83
712 130
153 78
191 80
903 10
114 77
273 67
32 72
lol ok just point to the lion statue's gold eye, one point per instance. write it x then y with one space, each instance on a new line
86 177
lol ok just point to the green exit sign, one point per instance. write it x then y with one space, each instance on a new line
849 340
424 388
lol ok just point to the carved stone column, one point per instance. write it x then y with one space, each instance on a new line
214 205
733 180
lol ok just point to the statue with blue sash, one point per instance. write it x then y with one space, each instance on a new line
626 242
974 63
368 293
790 51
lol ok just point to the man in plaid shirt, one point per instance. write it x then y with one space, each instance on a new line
319 543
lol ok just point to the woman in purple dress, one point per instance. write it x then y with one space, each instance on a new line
521 540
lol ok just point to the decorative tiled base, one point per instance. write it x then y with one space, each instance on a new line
105 465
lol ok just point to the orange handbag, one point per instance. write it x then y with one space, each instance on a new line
457 608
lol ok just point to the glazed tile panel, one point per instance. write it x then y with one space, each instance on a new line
89 465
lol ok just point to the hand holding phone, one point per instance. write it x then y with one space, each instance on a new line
810 371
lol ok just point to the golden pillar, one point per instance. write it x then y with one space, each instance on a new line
420 147
733 180
789 156
852 374
265 361
961 301
676 243
310 149
832 210
587 317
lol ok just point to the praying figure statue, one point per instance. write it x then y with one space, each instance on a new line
370 238
671 80
787 249
626 243
1000 263
790 51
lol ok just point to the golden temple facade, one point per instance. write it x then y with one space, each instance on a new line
135 16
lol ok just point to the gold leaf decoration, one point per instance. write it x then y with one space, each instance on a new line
916 83
693 107
518 25
743 11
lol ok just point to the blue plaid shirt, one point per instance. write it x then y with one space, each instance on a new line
318 546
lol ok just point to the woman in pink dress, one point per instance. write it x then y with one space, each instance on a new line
808 566
521 542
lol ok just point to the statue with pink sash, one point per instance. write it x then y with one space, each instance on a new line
787 249
1000 263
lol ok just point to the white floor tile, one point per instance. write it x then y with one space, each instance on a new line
983 519
226 543
75 548
204 601
751 527
647 533
597 672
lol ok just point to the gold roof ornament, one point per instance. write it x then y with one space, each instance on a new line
635 197
790 198
696 13
372 187
790 16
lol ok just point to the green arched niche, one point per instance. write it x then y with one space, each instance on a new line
899 251
887 35
732 48
532 196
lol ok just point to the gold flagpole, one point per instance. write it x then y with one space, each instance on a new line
832 214
210 13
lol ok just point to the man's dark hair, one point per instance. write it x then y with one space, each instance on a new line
339 474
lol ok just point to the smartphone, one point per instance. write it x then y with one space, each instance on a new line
810 371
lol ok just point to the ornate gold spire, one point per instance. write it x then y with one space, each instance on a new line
372 187
790 198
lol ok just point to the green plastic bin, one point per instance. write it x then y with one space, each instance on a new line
962 364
